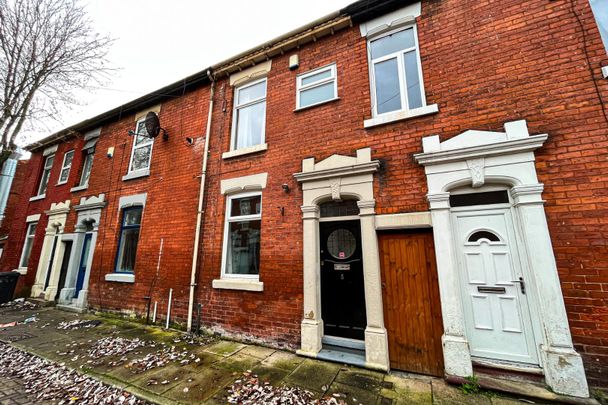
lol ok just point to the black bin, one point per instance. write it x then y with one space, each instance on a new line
8 282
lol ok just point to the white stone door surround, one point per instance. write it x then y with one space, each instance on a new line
475 158
88 217
336 178
57 214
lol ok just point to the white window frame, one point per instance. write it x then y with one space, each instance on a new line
64 167
89 153
227 221
400 69
236 107
27 236
44 169
598 8
149 141
299 87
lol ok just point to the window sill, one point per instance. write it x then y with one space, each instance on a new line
400 115
136 174
121 277
21 270
316 104
245 151
238 284
79 188
38 197
61 184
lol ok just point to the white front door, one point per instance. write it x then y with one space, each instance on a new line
494 293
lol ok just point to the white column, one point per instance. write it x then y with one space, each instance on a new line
376 340
312 324
456 354
43 262
563 367
83 295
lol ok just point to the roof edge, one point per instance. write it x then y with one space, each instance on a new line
357 12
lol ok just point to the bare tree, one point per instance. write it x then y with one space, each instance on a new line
48 50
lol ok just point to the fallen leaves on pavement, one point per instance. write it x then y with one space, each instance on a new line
19 303
250 391
78 324
51 381
114 345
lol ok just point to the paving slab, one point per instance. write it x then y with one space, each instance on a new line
351 394
365 379
204 385
224 348
313 375
445 394
283 360
407 391
257 351
238 362
271 375
163 379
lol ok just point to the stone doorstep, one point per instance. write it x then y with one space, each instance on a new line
41 302
71 308
522 388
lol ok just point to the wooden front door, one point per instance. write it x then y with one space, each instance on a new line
412 308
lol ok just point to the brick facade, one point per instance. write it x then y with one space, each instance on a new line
484 63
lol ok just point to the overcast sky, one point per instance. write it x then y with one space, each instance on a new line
159 42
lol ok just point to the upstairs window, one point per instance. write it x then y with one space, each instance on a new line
27 245
87 165
242 236
68 157
396 77
128 239
46 173
249 115
316 87
141 154
600 11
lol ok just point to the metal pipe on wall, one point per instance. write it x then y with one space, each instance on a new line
199 213
169 308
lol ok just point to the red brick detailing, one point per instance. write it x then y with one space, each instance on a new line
484 62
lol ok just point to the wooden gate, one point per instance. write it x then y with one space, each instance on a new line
412 308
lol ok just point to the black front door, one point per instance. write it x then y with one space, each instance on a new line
342 291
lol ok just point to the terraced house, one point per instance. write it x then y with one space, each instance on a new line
411 185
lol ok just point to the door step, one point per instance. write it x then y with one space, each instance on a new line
343 355
344 342
41 302
71 308
519 388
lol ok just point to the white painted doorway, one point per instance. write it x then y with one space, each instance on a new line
495 300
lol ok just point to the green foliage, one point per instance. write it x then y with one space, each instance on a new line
471 386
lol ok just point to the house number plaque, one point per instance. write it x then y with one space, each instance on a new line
341 266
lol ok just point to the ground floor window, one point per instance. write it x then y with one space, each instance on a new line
242 236
27 245
128 239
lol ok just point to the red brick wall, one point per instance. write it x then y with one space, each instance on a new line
28 188
485 63
169 214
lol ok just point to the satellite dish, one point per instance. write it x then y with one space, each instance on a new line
152 124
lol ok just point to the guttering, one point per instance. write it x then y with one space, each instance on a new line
312 31
201 197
